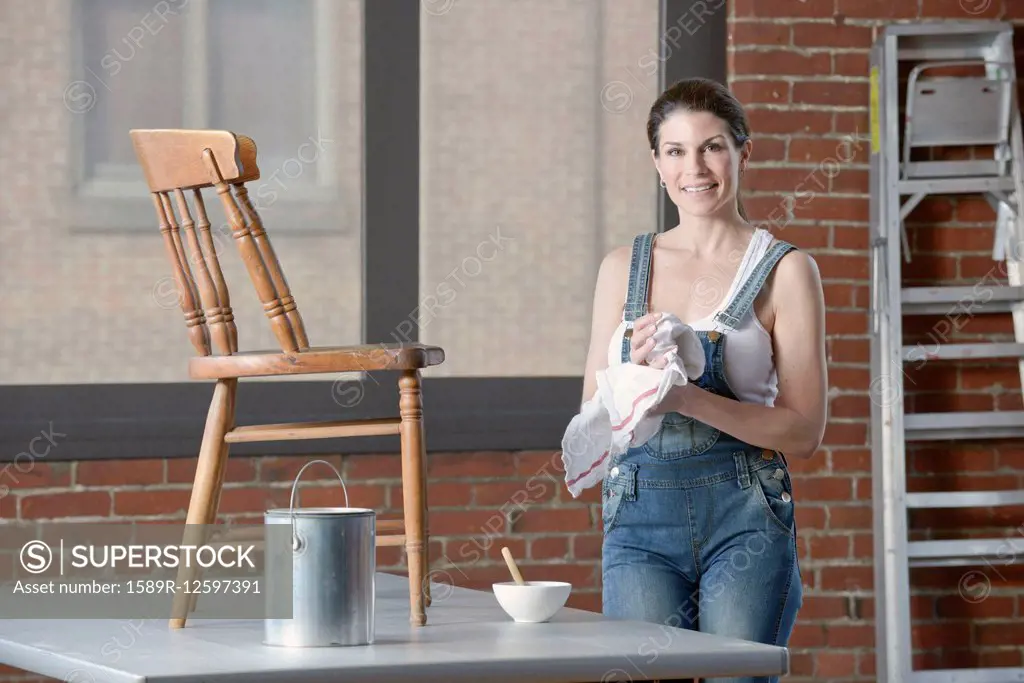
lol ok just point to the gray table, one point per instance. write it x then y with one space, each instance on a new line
467 638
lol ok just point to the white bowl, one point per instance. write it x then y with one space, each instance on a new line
534 602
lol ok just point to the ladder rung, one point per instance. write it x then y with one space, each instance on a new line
962 351
965 499
984 675
975 424
934 170
965 552
951 300
956 185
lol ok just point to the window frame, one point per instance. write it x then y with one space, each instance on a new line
165 420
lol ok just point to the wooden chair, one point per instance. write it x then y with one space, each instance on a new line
176 162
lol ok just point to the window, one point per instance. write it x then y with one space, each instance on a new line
444 171
284 73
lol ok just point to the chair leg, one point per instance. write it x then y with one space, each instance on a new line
222 466
202 505
411 410
426 525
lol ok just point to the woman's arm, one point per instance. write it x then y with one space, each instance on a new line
609 296
795 425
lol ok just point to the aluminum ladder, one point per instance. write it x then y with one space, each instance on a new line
948 111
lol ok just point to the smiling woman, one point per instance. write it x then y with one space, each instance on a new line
715 474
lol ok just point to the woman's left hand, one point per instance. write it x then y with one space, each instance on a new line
679 399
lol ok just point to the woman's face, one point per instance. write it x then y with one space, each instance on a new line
699 162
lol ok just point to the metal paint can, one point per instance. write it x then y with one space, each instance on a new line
333 566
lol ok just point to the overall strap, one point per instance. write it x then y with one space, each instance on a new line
743 301
639 286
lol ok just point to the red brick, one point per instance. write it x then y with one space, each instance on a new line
183 470
172 503
991 607
767 92
810 517
849 350
974 210
65 505
806 34
373 496
759 33
876 9
549 548
770 9
807 636
805 236
240 499
120 473
466 522
825 488
848 578
831 93
845 266
515 494
286 469
1004 376
850 406
829 547
845 433
846 378
863 546
832 665
848 322
967 9
839 295
539 465
850 517
944 240
375 466
570 519
476 465
774 179
587 546
851 64
784 121
852 122
933 460
589 601
21 475
850 635
822 607
439 494
930 636
852 181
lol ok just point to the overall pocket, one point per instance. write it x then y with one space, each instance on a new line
681 436
617 487
775 491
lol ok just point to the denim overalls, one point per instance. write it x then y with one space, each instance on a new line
699 531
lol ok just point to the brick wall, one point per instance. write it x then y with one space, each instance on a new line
802 70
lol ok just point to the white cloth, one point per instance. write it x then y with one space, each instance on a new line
616 418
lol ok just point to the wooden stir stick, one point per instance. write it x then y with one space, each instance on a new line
507 554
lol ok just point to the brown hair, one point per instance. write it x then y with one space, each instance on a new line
700 95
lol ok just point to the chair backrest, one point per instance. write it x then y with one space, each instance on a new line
176 161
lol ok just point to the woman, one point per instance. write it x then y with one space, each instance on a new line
698 522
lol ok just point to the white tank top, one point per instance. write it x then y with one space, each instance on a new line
749 359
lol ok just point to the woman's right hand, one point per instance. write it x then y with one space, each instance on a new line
641 343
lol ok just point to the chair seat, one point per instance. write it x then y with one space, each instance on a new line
329 359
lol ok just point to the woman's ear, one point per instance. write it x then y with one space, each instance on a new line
745 152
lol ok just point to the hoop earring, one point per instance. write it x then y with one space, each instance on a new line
662 183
